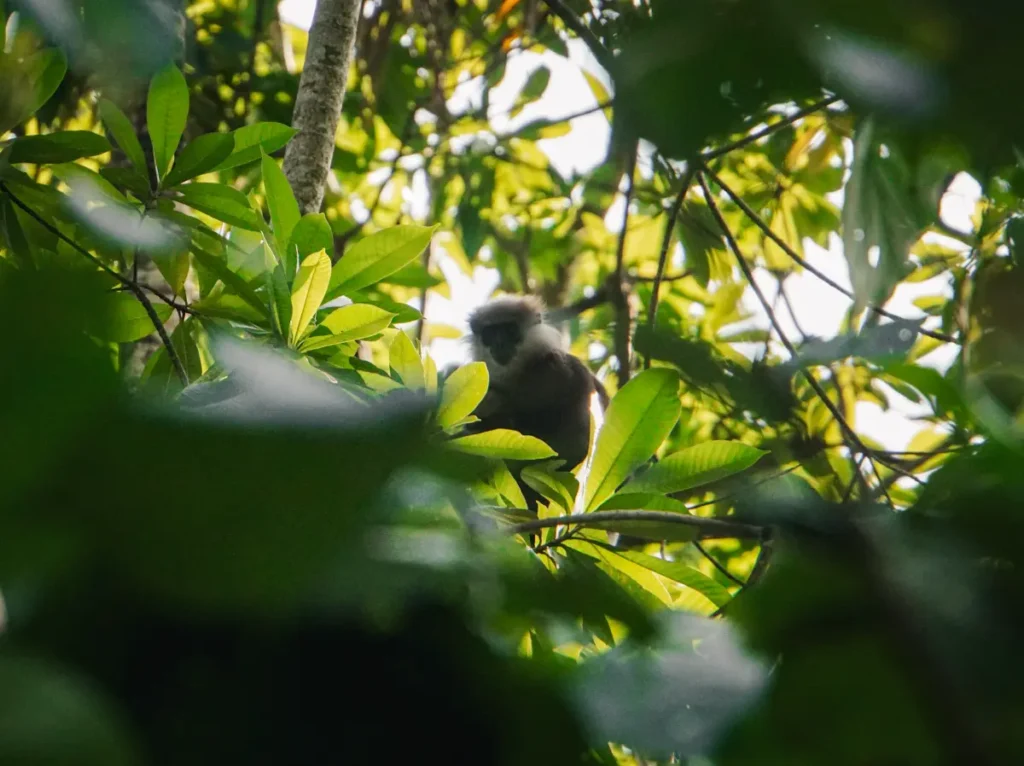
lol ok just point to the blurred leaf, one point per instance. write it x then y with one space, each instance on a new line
174 267
252 141
504 444
638 419
121 129
222 202
166 113
878 343
405 361
29 84
201 155
284 210
308 293
463 390
126 319
559 487
13 234
51 715
377 256
64 146
695 466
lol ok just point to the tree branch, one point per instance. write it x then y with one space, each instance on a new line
619 299
604 56
307 160
708 528
666 242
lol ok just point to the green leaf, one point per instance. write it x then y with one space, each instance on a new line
200 156
121 129
126 320
232 281
253 140
284 210
882 216
14 234
405 361
311 233
30 84
711 589
174 267
308 293
166 114
462 392
280 298
506 486
127 178
50 713
560 487
377 256
64 146
349 323
221 202
638 419
504 444
695 466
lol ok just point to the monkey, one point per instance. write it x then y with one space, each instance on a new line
537 387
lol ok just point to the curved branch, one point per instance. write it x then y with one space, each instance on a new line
604 56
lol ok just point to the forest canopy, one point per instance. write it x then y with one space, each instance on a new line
244 515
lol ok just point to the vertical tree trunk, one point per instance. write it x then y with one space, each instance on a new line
307 161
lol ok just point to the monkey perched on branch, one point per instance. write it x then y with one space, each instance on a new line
537 387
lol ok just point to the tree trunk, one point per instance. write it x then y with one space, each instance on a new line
307 161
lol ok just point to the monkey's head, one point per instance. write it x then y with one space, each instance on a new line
508 329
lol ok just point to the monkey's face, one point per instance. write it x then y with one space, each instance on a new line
501 340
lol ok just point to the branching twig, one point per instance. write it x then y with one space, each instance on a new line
666 242
757 221
717 565
137 291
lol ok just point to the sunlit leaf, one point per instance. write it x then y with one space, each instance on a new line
201 155
405 361
308 292
221 202
463 390
312 232
695 466
121 129
377 256
348 323
166 114
504 444
638 419
284 210
251 141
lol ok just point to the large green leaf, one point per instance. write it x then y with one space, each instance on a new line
678 572
201 155
126 320
377 256
280 297
355 322
503 443
121 129
638 419
312 232
884 213
462 392
166 114
63 146
405 361
308 292
695 466
254 140
284 210
222 202
28 85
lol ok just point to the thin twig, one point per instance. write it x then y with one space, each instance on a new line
139 293
604 56
714 154
717 565
709 528
618 293
538 124
749 275
666 242
757 221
